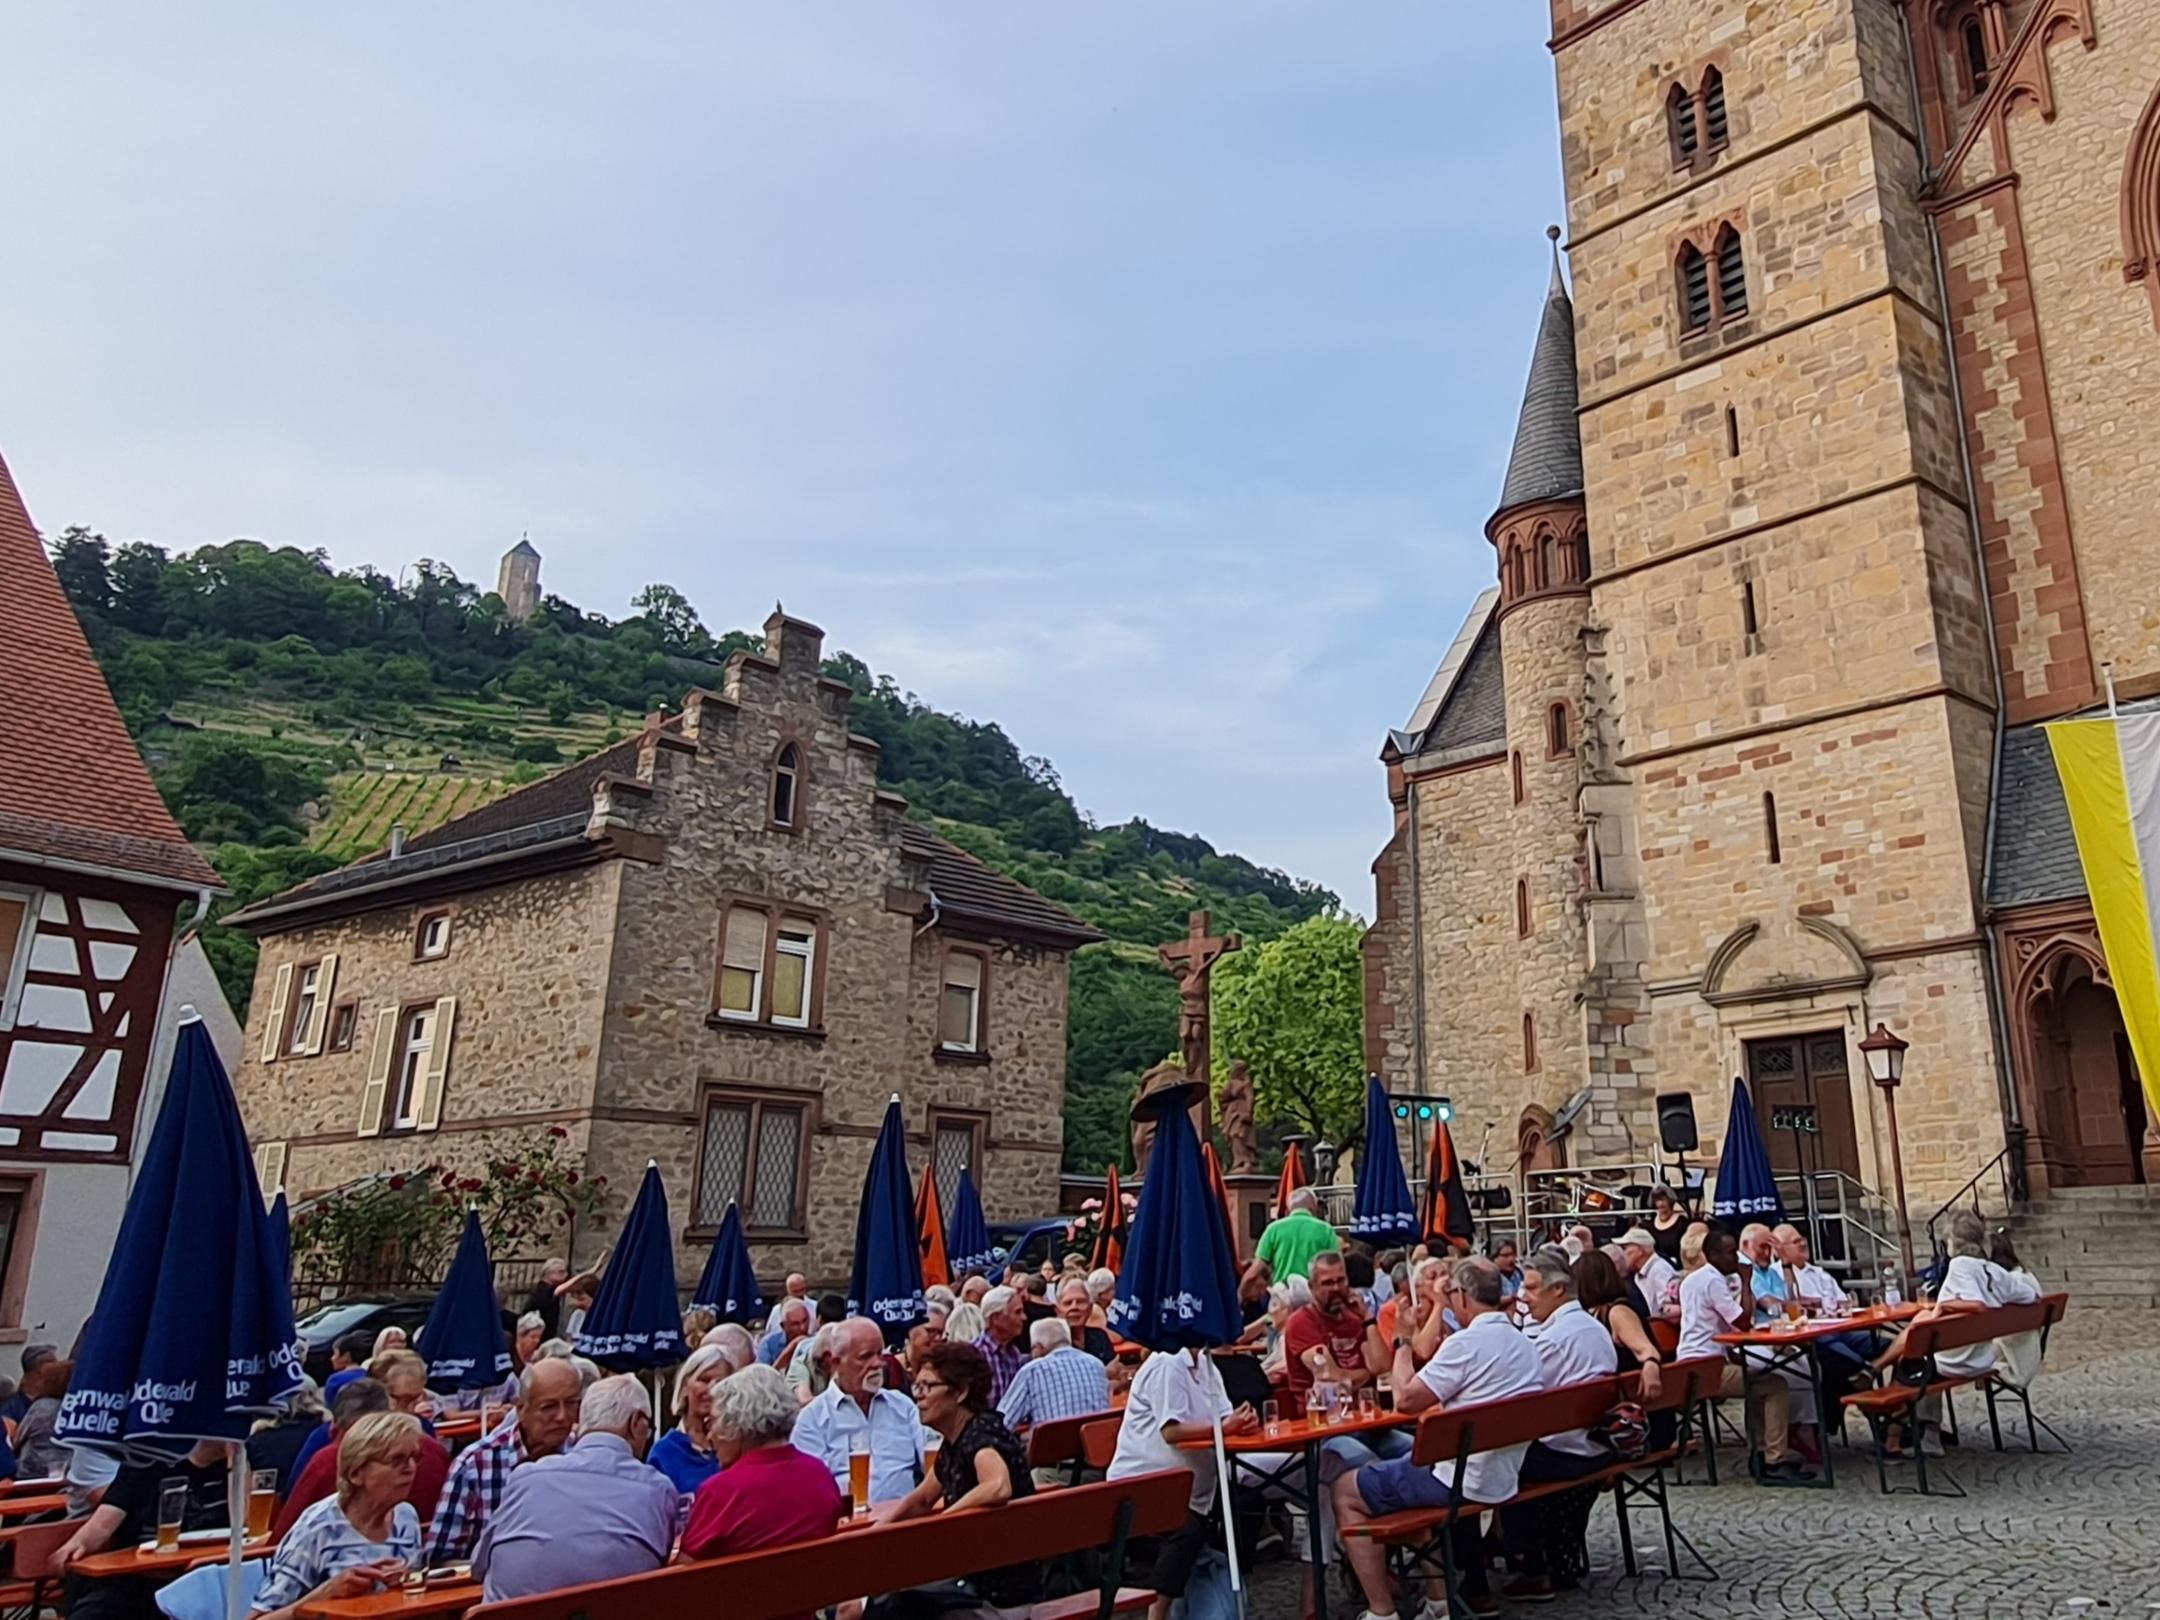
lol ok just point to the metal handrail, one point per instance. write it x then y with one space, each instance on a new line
2003 1166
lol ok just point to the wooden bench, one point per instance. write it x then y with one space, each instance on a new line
1421 1534
775 1582
1894 1402
1062 1442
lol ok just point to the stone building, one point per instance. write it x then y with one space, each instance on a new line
718 944
517 581
1832 482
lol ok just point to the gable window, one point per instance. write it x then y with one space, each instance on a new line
18 918
787 786
1559 739
431 941
751 1147
770 962
1714 127
1680 118
960 1002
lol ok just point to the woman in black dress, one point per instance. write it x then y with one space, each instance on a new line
981 1464
1668 1224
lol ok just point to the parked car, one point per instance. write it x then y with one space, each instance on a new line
358 1313
1028 1244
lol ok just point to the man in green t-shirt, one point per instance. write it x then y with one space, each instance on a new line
1288 1245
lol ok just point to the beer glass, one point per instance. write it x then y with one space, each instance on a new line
262 1503
171 1513
858 1471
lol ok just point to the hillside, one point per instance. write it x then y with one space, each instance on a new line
294 714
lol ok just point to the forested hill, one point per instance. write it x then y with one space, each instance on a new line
292 714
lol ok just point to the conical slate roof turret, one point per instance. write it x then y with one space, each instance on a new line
1546 463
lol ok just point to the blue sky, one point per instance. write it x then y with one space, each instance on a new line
1137 375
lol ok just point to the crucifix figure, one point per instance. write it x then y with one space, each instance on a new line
1190 961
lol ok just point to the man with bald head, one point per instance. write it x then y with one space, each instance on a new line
857 1403
547 1410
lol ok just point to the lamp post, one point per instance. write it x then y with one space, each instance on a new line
1885 1055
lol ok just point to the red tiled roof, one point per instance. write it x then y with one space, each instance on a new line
72 786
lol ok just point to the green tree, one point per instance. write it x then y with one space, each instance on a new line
1293 1009
561 701
82 559
138 588
672 618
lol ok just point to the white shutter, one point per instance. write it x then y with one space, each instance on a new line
325 996
380 1058
270 1169
280 997
436 1068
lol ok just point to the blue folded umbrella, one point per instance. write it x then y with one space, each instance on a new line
192 1338
463 1339
1384 1211
967 1234
1746 1186
729 1287
1178 1286
886 1283
635 1323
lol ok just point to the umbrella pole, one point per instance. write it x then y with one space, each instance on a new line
1222 1484
236 1495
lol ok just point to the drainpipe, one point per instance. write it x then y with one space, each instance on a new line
1998 1020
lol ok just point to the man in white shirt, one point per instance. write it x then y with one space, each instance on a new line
1971 1282
1653 1273
856 1407
1715 1298
797 1288
1573 1347
1845 1357
1176 1396
1487 1360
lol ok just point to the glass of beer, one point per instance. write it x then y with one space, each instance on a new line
171 1513
858 1473
1368 1403
262 1503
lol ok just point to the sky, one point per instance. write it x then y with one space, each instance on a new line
1137 375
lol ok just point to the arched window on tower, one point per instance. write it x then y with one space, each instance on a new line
787 786
1548 562
1973 56
1731 277
1715 129
1681 123
1559 734
1694 289
1582 558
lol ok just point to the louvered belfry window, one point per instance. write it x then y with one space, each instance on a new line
1680 111
1694 289
1731 276
1715 129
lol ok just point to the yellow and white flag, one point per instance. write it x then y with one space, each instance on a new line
2110 770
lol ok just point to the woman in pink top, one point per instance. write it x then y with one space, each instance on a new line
767 1493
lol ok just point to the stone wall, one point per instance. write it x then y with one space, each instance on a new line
527 963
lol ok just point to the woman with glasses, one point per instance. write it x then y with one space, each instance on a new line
361 1539
981 1463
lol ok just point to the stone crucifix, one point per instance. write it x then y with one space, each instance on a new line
1191 960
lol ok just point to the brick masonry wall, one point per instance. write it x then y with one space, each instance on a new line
528 964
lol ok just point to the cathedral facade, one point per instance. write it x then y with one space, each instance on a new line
1832 484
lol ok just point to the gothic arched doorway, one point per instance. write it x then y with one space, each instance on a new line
2085 1079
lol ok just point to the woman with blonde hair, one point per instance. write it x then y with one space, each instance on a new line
361 1539
685 1452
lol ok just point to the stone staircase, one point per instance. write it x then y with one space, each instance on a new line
2102 1244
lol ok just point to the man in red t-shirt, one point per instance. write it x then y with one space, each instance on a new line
319 1478
1332 1338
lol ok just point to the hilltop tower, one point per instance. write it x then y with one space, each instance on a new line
518 580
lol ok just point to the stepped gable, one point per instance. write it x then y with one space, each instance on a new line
73 788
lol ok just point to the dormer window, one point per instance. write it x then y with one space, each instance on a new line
787 786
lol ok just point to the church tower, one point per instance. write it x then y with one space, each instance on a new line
518 580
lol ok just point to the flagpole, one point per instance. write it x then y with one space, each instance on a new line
2107 676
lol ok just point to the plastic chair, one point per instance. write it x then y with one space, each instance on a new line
200 1593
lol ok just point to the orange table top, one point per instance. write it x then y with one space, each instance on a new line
23 1507
440 1598
147 1560
1822 1327
1290 1436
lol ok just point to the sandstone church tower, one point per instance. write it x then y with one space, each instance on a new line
1708 786
517 582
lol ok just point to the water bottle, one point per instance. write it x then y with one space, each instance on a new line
1891 1294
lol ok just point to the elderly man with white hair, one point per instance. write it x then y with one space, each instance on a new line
594 1512
1076 1309
1003 1342
735 1340
857 1409
1058 1382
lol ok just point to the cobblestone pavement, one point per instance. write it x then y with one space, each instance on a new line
2037 1535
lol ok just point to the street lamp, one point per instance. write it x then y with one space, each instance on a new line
1885 1055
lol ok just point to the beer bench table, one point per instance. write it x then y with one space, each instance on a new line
440 1599
149 1560
1792 1345
776 1582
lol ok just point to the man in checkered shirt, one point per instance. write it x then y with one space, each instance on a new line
1059 1382
547 1410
